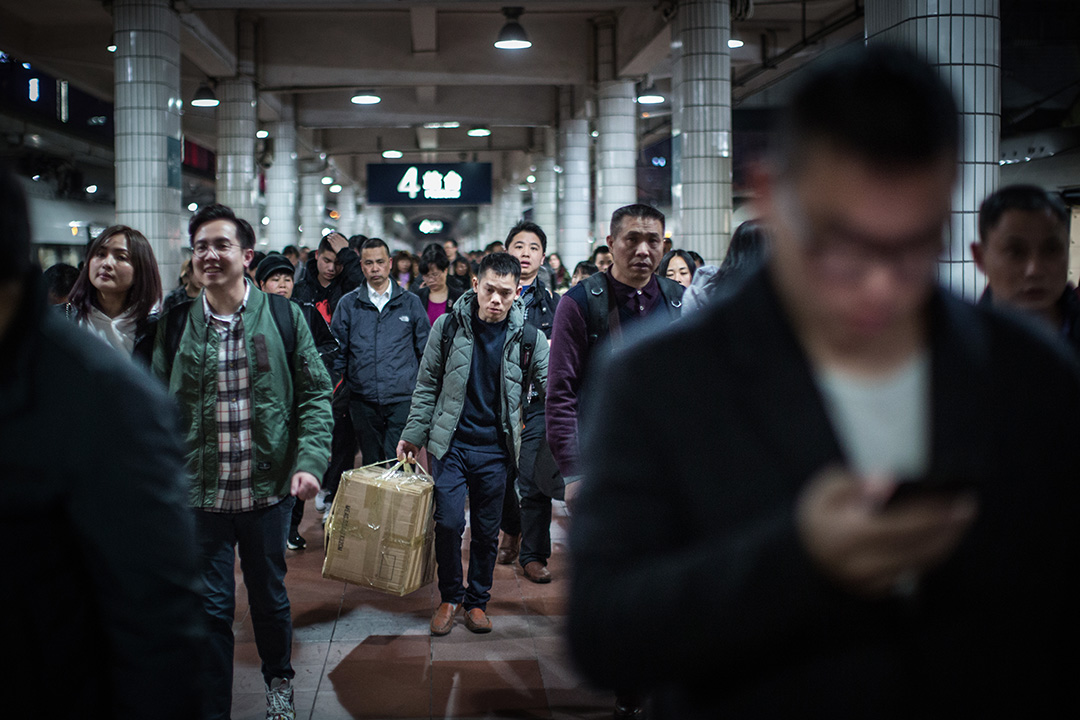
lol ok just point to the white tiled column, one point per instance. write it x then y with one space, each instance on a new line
702 101
574 194
346 207
373 221
147 110
236 120
511 209
281 182
962 39
312 208
616 123
545 193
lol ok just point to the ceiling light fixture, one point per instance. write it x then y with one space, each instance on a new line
205 97
366 97
478 132
512 36
335 188
442 125
650 96
735 43
392 154
327 180
262 134
111 48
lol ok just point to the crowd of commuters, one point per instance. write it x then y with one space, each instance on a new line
866 511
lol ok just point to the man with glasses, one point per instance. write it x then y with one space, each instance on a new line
867 509
256 406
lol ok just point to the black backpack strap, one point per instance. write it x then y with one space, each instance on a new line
282 312
672 293
598 305
449 330
528 346
175 322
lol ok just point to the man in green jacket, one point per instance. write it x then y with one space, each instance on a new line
255 399
467 411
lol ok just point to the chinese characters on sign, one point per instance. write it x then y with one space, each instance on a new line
431 183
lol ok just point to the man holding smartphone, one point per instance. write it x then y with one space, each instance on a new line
771 576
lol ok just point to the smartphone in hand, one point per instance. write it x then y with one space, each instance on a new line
921 486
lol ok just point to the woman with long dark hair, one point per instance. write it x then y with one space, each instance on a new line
116 291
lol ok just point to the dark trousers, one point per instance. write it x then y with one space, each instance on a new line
342 443
481 475
260 536
378 427
535 515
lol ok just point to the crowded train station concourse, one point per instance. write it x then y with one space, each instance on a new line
571 359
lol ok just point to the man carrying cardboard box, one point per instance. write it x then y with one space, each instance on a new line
467 411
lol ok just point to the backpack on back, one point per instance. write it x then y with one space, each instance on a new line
176 322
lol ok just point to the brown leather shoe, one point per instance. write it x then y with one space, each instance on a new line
442 622
508 549
477 621
537 572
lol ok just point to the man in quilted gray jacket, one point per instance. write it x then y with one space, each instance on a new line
466 410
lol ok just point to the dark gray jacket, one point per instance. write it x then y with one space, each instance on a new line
380 351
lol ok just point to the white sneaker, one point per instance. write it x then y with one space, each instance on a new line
279 700
320 501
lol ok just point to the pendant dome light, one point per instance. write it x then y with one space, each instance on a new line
512 36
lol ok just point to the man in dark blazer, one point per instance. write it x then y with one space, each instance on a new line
753 552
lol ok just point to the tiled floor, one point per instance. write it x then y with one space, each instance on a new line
362 654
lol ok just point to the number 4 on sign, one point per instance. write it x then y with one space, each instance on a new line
409 183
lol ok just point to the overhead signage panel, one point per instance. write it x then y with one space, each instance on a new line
429 183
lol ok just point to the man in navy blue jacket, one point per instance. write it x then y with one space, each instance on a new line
382 331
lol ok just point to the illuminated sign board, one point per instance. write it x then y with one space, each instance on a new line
429 183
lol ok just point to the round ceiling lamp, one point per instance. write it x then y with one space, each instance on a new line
512 36
365 97
205 97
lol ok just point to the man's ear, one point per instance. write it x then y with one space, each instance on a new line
249 255
519 291
978 256
475 284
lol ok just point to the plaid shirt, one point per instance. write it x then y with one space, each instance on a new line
233 415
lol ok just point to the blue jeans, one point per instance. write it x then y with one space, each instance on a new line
260 535
482 476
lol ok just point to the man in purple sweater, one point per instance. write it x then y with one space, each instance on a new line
600 306
597 309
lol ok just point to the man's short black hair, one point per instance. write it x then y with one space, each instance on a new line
371 243
290 250
490 247
531 227
324 243
1029 198
500 263
356 241
599 249
434 256
244 233
60 278
452 241
637 210
585 267
881 103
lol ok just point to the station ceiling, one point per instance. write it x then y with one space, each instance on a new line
434 62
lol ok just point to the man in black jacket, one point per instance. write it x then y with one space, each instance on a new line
753 553
334 271
1023 250
104 598
526 523
382 331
